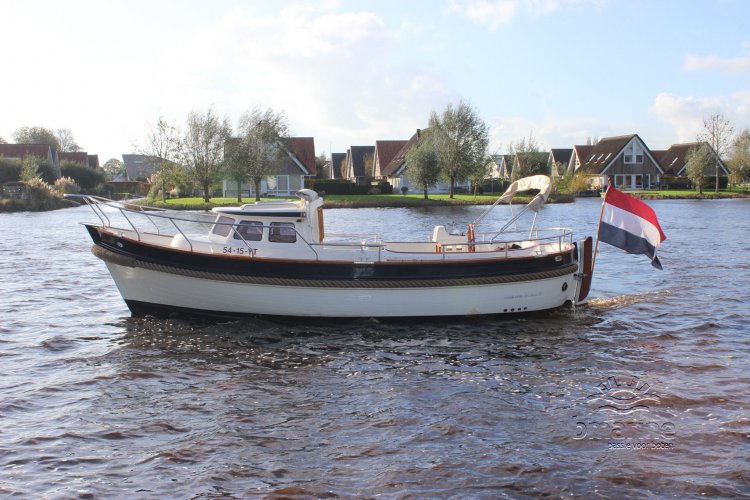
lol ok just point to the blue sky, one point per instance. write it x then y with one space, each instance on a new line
351 73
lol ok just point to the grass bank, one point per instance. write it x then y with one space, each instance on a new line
362 201
688 194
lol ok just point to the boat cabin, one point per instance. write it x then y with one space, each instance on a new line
268 223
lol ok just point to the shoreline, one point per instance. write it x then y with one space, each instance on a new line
13 206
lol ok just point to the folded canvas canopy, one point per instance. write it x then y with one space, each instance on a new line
540 182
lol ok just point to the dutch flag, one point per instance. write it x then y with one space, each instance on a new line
631 225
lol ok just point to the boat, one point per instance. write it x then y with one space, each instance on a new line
275 258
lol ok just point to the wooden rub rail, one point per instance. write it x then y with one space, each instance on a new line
123 260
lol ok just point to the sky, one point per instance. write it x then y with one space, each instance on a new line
353 72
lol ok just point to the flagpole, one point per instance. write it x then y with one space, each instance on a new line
598 227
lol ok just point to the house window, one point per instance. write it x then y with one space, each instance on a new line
278 184
249 230
282 232
223 226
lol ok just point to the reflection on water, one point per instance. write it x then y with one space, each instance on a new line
97 403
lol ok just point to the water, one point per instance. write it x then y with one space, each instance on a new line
96 404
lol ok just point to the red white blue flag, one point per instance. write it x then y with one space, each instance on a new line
631 225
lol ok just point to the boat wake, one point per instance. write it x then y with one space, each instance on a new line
620 301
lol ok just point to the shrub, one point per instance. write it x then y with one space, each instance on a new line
10 170
66 185
373 190
85 177
674 182
46 173
40 195
404 190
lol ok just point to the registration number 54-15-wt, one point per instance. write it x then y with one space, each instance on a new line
239 251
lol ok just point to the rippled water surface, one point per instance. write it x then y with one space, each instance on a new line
643 393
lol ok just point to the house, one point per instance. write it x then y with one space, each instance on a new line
286 180
674 159
359 163
385 151
338 165
577 157
625 160
80 157
93 162
139 167
503 166
18 152
395 171
558 162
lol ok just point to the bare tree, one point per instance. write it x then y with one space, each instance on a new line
460 138
66 140
260 148
203 147
162 147
717 131
3 141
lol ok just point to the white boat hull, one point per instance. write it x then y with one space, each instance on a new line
158 290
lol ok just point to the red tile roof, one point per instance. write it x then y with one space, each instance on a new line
304 149
23 150
79 157
398 160
385 152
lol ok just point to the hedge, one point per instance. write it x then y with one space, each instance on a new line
10 171
345 187
85 177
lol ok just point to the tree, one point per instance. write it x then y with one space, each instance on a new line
66 140
112 168
717 131
739 156
260 149
479 172
203 147
699 160
36 135
423 167
30 167
320 162
3 141
163 149
460 138
523 145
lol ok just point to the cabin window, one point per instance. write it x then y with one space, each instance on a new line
282 232
223 226
249 230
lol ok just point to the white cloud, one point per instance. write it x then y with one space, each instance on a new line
495 13
732 65
686 114
555 132
333 73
